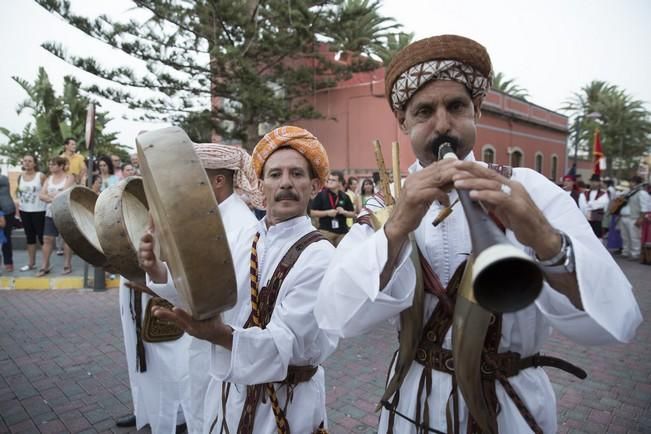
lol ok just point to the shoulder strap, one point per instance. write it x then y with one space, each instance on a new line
268 295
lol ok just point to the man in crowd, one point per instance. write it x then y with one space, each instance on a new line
266 350
76 161
436 87
117 166
228 168
596 204
135 163
630 223
569 185
159 375
332 207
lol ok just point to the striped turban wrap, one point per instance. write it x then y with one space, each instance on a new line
298 139
216 156
446 57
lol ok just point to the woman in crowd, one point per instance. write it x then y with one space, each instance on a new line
96 184
351 191
31 207
366 191
8 208
57 182
128 170
106 172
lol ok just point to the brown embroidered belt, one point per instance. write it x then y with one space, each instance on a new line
508 364
299 374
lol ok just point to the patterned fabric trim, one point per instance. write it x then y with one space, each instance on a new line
408 83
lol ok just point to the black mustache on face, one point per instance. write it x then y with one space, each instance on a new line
444 138
286 195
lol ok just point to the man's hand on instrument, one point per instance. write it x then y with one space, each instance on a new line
212 330
511 204
147 259
139 287
420 190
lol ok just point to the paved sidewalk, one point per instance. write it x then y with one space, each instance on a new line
27 280
62 369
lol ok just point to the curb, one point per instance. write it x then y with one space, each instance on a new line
44 283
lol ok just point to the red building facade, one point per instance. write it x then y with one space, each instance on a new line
510 131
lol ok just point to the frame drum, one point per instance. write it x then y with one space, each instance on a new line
188 224
73 216
121 219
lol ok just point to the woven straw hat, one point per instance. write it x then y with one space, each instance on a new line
443 47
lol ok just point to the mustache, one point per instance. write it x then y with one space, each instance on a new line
286 195
436 143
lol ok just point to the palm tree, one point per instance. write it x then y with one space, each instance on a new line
54 119
624 123
361 29
509 87
394 43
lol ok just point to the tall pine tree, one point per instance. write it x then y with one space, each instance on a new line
234 65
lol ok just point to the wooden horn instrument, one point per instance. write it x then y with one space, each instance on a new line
504 278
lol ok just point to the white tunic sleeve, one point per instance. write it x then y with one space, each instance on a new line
292 336
610 310
350 299
166 290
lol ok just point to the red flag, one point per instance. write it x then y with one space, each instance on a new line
598 153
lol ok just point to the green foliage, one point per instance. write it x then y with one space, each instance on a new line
394 43
54 119
624 123
361 29
232 64
509 87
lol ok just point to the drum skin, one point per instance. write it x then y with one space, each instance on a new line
121 219
73 216
187 221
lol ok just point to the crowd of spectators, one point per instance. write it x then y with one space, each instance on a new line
34 194
619 215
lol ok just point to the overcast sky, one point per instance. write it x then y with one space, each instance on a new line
552 48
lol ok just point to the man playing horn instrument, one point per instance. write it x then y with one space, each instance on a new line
435 88
266 351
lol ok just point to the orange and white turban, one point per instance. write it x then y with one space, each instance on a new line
216 156
298 139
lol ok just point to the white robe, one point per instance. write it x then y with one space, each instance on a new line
160 395
237 218
292 336
350 302
592 203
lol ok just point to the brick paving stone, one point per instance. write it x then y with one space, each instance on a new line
62 362
26 426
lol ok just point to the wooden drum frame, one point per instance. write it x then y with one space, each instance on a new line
187 220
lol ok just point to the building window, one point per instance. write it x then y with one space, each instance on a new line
539 163
554 168
489 156
516 158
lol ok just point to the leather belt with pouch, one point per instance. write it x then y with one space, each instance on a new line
156 330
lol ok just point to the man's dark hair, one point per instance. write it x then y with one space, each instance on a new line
339 174
376 178
636 179
68 140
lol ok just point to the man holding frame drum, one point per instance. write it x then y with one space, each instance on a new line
266 351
